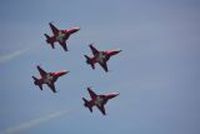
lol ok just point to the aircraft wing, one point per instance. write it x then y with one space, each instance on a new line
94 50
102 109
54 29
64 45
104 66
42 72
41 88
92 93
52 87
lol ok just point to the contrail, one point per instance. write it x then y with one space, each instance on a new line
34 122
8 57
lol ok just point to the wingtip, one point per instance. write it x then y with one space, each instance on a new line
66 50
51 22
89 88
91 44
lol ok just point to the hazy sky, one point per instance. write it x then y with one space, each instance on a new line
157 74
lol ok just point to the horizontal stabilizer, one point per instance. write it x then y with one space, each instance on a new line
89 61
87 104
37 82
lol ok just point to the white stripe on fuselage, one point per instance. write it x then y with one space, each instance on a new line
48 79
60 37
101 57
99 101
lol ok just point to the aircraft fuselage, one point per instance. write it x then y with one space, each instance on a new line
61 36
99 101
100 57
48 79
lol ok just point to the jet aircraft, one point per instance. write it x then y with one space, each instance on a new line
60 36
98 100
100 57
48 78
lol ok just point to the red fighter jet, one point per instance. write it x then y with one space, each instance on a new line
98 100
100 57
60 36
48 78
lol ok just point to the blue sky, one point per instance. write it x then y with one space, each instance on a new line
157 74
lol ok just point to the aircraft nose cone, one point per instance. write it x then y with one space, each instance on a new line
63 73
115 52
116 94
113 95
118 51
77 28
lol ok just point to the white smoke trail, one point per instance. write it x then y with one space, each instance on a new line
8 57
33 123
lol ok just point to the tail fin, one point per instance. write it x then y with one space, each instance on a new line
37 82
89 61
87 104
49 40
